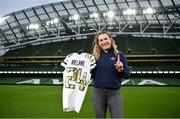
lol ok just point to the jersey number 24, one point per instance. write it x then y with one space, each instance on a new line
77 76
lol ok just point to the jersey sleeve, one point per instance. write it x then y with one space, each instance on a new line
66 60
92 62
90 59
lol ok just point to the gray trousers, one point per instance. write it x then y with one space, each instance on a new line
107 98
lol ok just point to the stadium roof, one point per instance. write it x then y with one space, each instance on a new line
61 20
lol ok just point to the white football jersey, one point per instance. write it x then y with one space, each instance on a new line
76 78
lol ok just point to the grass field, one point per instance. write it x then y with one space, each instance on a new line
28 101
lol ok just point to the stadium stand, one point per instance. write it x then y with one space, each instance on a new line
45 59
136 45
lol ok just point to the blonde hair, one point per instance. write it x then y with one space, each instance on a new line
96 48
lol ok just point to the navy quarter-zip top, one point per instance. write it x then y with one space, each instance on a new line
106 74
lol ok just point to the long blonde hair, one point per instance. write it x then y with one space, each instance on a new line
96 48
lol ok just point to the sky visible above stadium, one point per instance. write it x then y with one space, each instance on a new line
9 6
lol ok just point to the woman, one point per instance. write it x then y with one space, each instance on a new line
111 67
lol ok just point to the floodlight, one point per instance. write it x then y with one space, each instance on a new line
75 17
51 22
55 20
149 11
33 26
94 15
110 14
129 12
48 23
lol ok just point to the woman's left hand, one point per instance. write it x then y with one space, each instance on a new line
119 65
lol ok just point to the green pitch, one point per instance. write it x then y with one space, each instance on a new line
27 101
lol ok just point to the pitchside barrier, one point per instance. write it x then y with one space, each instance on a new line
139 78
